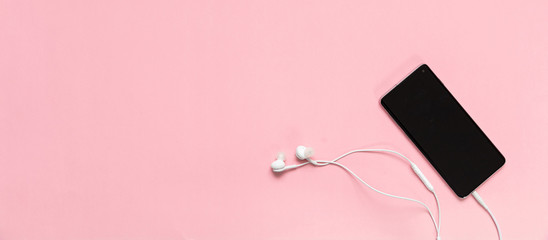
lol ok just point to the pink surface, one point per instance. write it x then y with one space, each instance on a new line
159 119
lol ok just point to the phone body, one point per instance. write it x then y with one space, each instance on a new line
443 131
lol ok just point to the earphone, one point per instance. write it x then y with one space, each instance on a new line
302 153
305 153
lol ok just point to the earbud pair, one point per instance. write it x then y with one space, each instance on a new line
305 153
302 153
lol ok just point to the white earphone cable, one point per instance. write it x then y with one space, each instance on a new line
413 166
306 156
439 214
386 194
323 163
372 150
482 203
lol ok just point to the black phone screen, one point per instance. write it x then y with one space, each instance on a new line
442 130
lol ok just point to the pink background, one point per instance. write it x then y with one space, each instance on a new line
159 119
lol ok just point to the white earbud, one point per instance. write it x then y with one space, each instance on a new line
304 153
279 164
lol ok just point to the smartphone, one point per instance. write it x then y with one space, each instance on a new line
442 130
